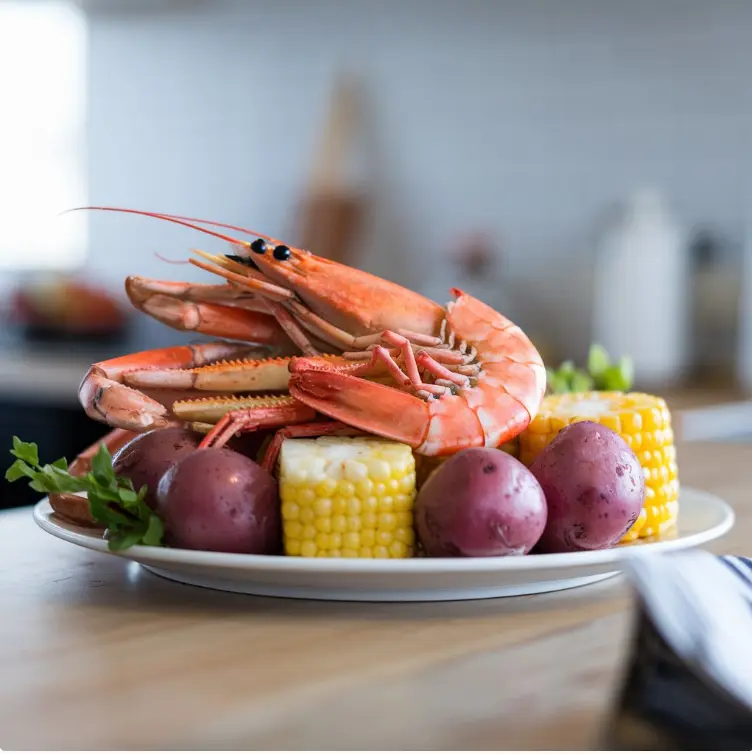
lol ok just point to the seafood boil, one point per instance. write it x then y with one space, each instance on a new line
338 414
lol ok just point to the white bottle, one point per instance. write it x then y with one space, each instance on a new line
640 306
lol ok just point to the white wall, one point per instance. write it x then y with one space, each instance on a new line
523 118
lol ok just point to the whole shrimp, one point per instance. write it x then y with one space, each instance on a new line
397 364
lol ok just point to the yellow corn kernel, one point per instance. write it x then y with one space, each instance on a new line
290 511
636 528
322 506
644 422
308 549
364 488
292 546
294 529
358 503
325 488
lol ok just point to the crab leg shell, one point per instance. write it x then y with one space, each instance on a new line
105 398
202 308
246 375
281 413
215 319
140 289
360 403
238 376
212 410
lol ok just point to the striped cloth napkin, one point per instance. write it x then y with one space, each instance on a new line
687 682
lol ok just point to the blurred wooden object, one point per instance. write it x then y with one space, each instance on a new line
333 210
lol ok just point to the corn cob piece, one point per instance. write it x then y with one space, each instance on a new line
347 497
644 423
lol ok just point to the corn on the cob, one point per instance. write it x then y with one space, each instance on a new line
644 423
347 497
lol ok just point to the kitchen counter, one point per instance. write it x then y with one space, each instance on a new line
99 654
40 376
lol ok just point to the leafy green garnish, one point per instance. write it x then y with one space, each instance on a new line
112 500
600 374
598 361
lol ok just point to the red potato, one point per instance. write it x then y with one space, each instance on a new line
482 502
594 486
146 458
219 500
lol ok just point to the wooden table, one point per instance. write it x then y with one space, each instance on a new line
95 653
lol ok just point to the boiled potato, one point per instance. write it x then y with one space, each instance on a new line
219 500
146 458
594 486
481 502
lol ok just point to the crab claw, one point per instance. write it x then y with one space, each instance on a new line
369 406
113 403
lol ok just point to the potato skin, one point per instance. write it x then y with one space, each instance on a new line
482 502
146 458
594 486
219 500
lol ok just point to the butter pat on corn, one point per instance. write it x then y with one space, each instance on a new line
350 497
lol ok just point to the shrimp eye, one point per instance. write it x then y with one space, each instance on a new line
282 252
259 246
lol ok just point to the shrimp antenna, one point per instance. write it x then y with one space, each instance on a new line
188 222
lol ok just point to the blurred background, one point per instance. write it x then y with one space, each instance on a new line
583 166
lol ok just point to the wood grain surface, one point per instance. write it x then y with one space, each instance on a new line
98 654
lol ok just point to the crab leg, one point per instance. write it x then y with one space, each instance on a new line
106 398
238 376
233 415
217 310
140 289
184 312
372 407
245 375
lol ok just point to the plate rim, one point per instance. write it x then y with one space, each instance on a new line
69 532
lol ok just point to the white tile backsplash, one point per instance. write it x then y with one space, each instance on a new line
525 120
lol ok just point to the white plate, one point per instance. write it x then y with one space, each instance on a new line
702 518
